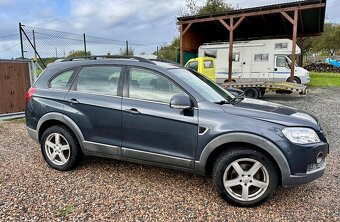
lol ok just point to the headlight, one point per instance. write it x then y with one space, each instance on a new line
301 135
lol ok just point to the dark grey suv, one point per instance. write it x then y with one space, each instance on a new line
162 114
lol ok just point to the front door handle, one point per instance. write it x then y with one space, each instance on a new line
73 101
133 111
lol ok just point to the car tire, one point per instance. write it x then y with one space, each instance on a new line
245 177
295 80
251 93
60 148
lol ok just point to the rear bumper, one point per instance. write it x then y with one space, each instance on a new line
33 134
294 180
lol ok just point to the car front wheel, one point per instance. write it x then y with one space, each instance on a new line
245 177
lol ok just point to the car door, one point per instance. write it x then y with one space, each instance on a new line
281 69
152 131
94 104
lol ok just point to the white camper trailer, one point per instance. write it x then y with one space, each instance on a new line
256 60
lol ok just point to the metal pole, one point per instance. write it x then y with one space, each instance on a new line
85 44
157 52
231 45
21 43
292 68
127 48
56 53
35 46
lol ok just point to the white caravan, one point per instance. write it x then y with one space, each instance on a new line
256 60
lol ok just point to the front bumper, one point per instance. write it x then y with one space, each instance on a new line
33 134
304 79
294 180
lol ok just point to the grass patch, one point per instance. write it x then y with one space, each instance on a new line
324 79
17 120
65 211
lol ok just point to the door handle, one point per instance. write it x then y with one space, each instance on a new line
73 101
275 69
133 111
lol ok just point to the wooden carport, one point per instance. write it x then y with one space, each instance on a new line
287 20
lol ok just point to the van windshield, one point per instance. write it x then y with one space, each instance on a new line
203 86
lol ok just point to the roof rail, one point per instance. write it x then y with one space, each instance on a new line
140 59
76 58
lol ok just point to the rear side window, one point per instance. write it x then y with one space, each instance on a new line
261 57
62 80
99 80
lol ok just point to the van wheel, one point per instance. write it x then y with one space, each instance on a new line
295 80
60 148
251 93
245 177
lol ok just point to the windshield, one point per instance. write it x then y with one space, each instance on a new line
203 86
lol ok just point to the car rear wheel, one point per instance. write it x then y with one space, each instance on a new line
245 177
60 148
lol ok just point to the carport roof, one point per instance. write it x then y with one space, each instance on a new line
261 22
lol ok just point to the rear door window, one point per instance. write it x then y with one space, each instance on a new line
99 80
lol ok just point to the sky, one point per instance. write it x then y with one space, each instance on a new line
146 24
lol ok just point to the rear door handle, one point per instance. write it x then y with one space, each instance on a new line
73 101
133 111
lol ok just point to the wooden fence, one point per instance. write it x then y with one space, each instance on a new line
15 80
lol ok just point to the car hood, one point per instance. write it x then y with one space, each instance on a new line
272 112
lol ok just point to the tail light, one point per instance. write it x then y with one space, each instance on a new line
29 94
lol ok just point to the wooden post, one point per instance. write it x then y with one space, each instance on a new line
181 45
182 32
231 44
295 25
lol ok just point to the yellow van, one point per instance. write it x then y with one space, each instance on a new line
203 65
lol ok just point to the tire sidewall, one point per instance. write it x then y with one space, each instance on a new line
71 141
227 158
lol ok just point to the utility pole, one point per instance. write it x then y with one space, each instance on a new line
35 46
127 47
56 53
157 52
21 43
84 44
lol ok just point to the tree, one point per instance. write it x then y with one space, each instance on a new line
78 53
169 52
210 7
130 52
329 39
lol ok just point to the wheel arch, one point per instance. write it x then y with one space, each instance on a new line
216 146
52 119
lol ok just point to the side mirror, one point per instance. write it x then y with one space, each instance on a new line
180 101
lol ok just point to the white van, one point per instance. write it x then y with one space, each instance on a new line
256 60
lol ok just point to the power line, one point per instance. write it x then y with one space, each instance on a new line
9 47
6 36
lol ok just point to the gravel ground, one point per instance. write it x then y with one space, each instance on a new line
103 190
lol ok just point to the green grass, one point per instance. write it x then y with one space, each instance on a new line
324 79
65 211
